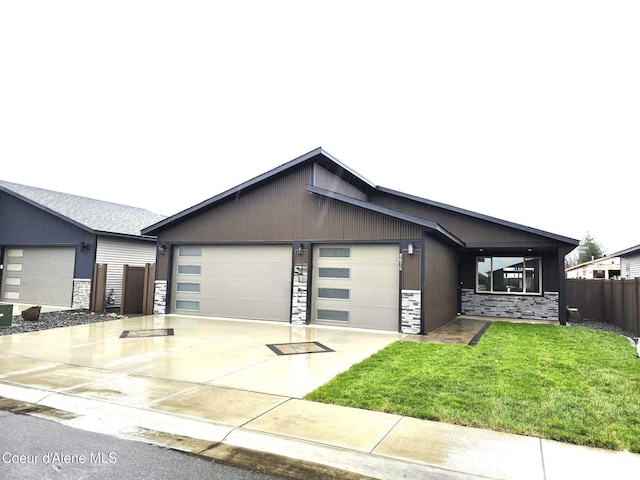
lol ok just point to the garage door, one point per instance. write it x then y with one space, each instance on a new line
38 275
356 286
248 281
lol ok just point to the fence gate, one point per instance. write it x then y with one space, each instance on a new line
137 289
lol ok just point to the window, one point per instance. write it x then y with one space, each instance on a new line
333 315
187 305
509 275
189 252
15 252
188 287
335 252
334 273
189 269
339 293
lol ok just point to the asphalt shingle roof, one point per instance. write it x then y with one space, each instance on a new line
92 214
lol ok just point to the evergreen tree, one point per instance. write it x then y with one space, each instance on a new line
589 249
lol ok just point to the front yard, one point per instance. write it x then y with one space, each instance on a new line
570 384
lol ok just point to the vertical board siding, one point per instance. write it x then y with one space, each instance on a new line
440 302
116 253
463 226
283 210
411 270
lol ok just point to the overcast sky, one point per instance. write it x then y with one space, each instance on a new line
526 111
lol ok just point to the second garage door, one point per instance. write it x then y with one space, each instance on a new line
38 275
356 286
233 281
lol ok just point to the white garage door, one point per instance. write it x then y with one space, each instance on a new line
38 275
356 286
239 281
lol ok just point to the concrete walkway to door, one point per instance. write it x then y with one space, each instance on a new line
216 387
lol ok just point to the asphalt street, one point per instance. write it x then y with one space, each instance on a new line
39 449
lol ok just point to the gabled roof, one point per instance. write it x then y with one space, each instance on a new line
96 216
333 165
317 155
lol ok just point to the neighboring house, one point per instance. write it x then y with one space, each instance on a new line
314 242
600 268
629 262
50 242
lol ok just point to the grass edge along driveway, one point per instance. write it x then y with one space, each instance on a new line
570 384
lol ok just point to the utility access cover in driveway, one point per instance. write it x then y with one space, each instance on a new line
298 348
148 332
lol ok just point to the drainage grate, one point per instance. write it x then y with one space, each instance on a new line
298 348
149 332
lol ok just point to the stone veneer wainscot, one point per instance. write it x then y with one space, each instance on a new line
534 307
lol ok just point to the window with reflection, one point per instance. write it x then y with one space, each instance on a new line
509 275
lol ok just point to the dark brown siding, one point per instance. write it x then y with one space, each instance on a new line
440 302
466 228
411 270
283 211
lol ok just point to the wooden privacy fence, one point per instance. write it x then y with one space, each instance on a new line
612 301
137 289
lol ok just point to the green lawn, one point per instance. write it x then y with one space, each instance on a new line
571 384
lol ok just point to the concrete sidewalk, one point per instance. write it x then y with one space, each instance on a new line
87 379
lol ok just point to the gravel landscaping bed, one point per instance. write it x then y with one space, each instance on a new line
608 327
67 318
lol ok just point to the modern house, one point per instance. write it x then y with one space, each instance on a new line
314 242
599 268
629 262
50 242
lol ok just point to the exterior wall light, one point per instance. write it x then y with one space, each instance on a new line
410 249
299 249
162 248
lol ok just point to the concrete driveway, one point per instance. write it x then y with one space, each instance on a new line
216 389
207 351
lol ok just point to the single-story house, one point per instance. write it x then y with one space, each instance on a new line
50 242
314 242
629 262
600 268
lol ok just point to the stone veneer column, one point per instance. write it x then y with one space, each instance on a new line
411 311
160 297
299 295
81 296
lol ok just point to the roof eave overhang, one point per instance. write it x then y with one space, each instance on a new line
130 236
427 224
626 251
552 236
